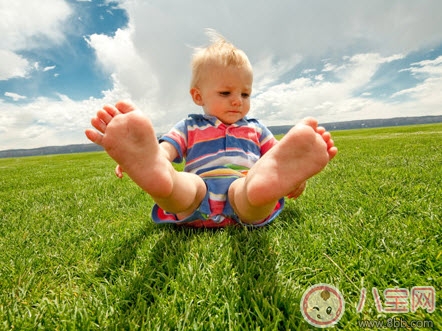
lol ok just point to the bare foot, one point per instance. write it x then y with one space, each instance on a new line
303 152
129 138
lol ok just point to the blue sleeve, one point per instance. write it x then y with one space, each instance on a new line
178 138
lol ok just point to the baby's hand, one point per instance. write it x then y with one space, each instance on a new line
297 192
119 171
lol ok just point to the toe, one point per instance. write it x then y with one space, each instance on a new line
94 136
111 110
326 136
310 121
125 106
332 152
321 130
98 124
104 116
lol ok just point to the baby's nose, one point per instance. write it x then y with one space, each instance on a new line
236 100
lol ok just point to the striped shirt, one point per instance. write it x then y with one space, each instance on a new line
206 143
220 154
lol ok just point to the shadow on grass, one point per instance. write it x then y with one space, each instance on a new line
122 256
265 299
246 288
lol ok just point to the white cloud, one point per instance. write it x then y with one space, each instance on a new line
428 67
308 71
27 25
12 65
329 67
360 68
277 38
149 61
14 96
32 23
118 56
46 122
426 94
336 100
49 68
268 71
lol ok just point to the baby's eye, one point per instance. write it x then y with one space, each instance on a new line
245 95
224 93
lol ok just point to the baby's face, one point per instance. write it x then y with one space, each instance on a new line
225 93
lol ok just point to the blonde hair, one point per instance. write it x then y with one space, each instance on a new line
219 53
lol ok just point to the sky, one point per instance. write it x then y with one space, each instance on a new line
62 60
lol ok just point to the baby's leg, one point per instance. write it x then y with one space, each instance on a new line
303 152
129 138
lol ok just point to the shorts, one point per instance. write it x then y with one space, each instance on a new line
215 210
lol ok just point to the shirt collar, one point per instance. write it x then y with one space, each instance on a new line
217 123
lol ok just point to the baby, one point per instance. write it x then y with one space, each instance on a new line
235 170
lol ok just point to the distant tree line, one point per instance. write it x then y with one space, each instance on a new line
371 123
81 148
281 129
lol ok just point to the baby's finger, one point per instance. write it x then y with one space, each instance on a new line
119 171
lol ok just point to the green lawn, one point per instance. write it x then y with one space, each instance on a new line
78 250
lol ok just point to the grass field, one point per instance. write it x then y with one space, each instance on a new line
78 250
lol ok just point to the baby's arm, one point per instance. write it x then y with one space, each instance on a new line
168 150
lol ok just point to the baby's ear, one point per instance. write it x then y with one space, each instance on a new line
196 96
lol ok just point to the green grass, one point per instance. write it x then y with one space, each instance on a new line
78 250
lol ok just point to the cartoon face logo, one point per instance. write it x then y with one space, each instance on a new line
322 305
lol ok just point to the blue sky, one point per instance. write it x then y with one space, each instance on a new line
334 60
69 66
